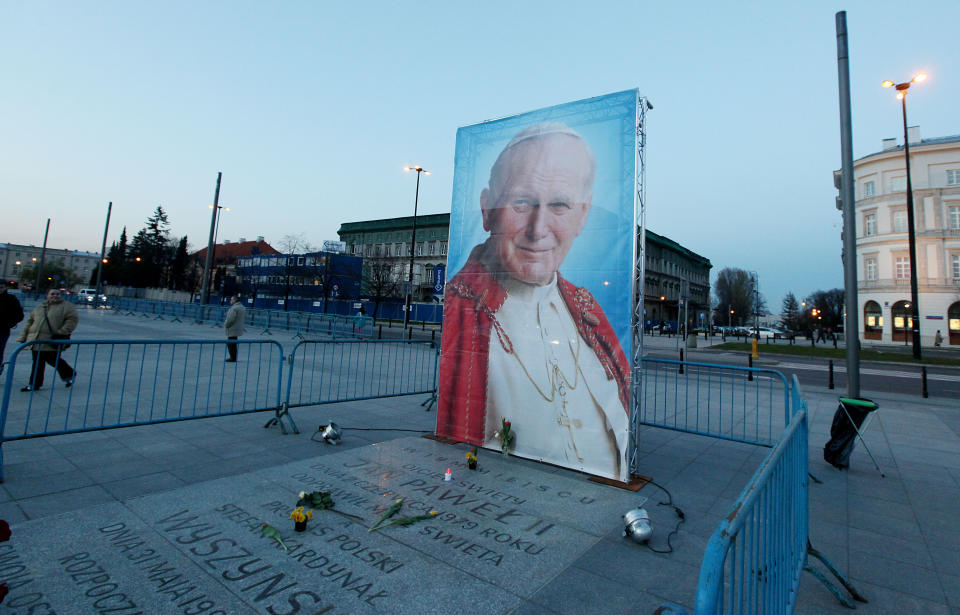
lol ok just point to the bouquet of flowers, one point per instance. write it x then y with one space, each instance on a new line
472 459
505 435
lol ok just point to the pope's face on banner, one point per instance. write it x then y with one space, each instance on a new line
538 205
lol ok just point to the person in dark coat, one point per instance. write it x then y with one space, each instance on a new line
10 314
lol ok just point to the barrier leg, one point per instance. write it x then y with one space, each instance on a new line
836 573
428 402
280 413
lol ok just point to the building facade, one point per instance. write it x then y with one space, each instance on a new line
14 258
387 244
225 257
883 259
673 272
320 276
676 285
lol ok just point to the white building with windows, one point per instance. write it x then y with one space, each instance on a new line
884 268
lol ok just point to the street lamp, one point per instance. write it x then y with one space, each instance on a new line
413 244
911 230
205 288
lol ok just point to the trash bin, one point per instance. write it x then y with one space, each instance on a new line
692 340
842 433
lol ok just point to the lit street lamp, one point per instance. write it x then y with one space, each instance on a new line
911 228
413 245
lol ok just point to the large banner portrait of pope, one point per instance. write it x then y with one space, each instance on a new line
537 305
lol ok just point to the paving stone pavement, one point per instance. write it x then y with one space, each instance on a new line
897 537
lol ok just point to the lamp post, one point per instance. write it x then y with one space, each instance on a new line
103 254
413 245
43 254
911 227
205 288
756 305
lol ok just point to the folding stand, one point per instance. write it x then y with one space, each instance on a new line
870 407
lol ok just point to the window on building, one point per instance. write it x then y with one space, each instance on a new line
377 250
870 268
953 177
396 249
419 248
898 184
300 261
955 266
869 189
900 221
431 248
953 216
870 224
903 267
443 248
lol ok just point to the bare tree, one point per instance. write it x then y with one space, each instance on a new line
735 289
290 246
380 281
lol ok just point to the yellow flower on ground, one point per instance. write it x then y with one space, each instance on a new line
299 515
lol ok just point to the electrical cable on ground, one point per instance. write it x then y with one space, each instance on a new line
680 518
320 429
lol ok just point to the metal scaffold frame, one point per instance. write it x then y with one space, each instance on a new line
639 275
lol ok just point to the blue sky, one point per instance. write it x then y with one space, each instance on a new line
312 109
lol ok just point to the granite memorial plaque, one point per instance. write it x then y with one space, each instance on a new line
501 532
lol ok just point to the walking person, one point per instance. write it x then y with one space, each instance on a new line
937 339
52 319
233 325
10 314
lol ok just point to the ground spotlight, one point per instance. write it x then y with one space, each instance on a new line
330 433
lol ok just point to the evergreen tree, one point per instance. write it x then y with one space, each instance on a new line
152 246
113 269
178 267
790 317
122 247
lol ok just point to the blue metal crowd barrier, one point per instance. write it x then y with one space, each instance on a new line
736 403
323 372
121 383
756 556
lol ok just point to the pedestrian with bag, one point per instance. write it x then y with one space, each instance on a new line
10 314
54 319
233 326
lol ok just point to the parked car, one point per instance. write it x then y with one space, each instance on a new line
771 333
89 295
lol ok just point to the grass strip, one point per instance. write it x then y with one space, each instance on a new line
835 353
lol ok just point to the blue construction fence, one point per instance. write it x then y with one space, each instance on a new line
390 309
302 324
